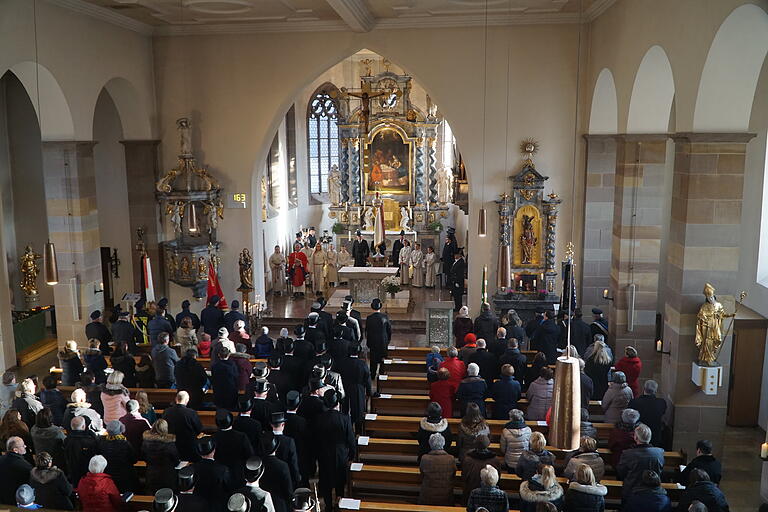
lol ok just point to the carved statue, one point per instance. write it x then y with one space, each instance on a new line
369 218
246 270
213 218
175 211
405 218
185 266
528 239
185 136
29 271
202 269
445 185
709 327
173 264
334 185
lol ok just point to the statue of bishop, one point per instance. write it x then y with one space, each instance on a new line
709 327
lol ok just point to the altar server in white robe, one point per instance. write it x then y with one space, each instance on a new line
277 267
430 267
331 269
344 258
417 263
318 268
405 263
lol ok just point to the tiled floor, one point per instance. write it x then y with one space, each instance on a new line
742 468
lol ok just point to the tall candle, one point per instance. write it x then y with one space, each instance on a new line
659 346
534 283
605 293
764 450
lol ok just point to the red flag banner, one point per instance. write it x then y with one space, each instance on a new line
214 288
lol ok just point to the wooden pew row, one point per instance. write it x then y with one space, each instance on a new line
369 448
407 405
407 426
411 366
157 397
419 353
408 480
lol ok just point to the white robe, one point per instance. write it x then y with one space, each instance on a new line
277 267
332 275
405 263
318 271
430 260
343 259
417 262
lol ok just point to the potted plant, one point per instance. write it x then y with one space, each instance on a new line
391 285
338 228
435 226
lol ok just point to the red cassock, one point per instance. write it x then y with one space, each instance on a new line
297 267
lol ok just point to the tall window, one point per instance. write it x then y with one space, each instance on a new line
323 138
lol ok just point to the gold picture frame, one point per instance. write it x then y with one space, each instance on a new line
388 145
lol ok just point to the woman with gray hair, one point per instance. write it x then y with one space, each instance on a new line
617 398
120 457
488 495
622 436
438 469
114 396
97 490
515 438
472 389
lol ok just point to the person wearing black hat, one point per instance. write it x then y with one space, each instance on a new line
533 324
600 324
191 377
346 330
303 500
258 499
224 377
546 336
244 423
311 238
277 478
185 424
296 428
123 331
97 330
163 304
396 247
234 315
233 449
378 332
262 408
159 324
292 367
456 276
337 449
187 501
581 334
212 480
302 349
165 501
326 319
286 449
315 330
360 250
279 380
312 405
338 347
357 382
212 318
449 249
186 313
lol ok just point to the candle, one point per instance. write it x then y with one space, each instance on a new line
513 277
659 346
605 293
534 283
542 276
521 283
764 450
427 205
409 204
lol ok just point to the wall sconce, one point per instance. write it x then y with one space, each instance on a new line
606 295
50 265
660 347
98 288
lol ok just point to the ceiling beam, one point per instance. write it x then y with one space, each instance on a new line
355 13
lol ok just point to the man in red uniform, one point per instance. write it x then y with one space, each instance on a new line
297 270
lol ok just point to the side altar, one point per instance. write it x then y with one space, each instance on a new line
526 274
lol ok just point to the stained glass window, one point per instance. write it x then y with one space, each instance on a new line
322 138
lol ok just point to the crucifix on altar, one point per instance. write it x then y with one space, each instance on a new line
365 95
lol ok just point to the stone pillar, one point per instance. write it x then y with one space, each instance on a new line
344 161
639 201
432 176
73 226
703 247
354 171
418 173
598 220
141 167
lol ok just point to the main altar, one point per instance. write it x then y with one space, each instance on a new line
527 225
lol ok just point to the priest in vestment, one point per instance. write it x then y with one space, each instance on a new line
405 263
360 251
318 268
297 269
344 259
277 267
430 267
417 263
332 258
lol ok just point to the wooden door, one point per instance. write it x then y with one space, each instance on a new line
746 373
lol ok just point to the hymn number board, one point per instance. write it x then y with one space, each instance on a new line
237 200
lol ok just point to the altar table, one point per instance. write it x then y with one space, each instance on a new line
365 282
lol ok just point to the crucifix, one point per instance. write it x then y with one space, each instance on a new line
365 96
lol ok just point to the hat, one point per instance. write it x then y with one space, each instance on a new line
331 398
302 500
292 399
223 332
341 317
376 304
223 419
316 384
299 330
321 347
470 338
260 386
318 372
96 314
25 495
597 311
165 500
402 232
274 361
115 428
238 503
269 443
234 304
298 234
353 350
327 361
214 299
358 233
316 306
577 313
313 318
244 404
277 418
186 477
185 304
206 445
162 302
124 314
260 370
253 469
322 302
140 303
349 298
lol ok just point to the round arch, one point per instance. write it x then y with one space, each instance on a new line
56 121
731 71
650 105
604 113
133 115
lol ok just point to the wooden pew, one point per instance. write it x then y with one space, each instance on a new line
408 405
412 366
157 397
371 448
415 353
375 506
408 479
407 426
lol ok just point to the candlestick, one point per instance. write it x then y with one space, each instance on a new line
534 284
659 346
605 293
764 450
521 283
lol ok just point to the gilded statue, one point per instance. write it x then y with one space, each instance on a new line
202 269
246 270
185 266
709 327
29 271
528 239
173 264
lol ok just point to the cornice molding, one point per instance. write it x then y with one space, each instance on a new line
714 137
597 8
104 14
355 13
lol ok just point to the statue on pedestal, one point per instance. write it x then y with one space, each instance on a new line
29 271
369 218
527 239
709 327
246 269
405 219
444 185
334 185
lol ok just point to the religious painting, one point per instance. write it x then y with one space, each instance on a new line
527 237
390 163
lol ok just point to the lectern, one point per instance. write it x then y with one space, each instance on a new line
439 323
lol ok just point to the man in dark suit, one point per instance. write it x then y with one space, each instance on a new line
212 481
123 331
356 378
360 250
233 449
262 408
456 276
97 330
224 375
292 366
191 377
546 336
212 318
162 306
336 449
315 332
326 319
396 248
233 316
252 428
277 475
338 348
515 358
533 324
185 424
581 334
638 459
447 258
286 447
378 332
186 313
652 410
341 329
311 238
79 446
15 470
186 496
296 428
303 349
279 380
258 498
599 324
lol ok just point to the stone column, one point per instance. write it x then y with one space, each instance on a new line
141 167
704 246
418 173
598 220
354 170
432 177
73 226
639 201
344 161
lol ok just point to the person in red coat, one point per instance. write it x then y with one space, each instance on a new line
631 365
97 490
297 270
443 391
454 365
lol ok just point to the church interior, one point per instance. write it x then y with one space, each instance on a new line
410 173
